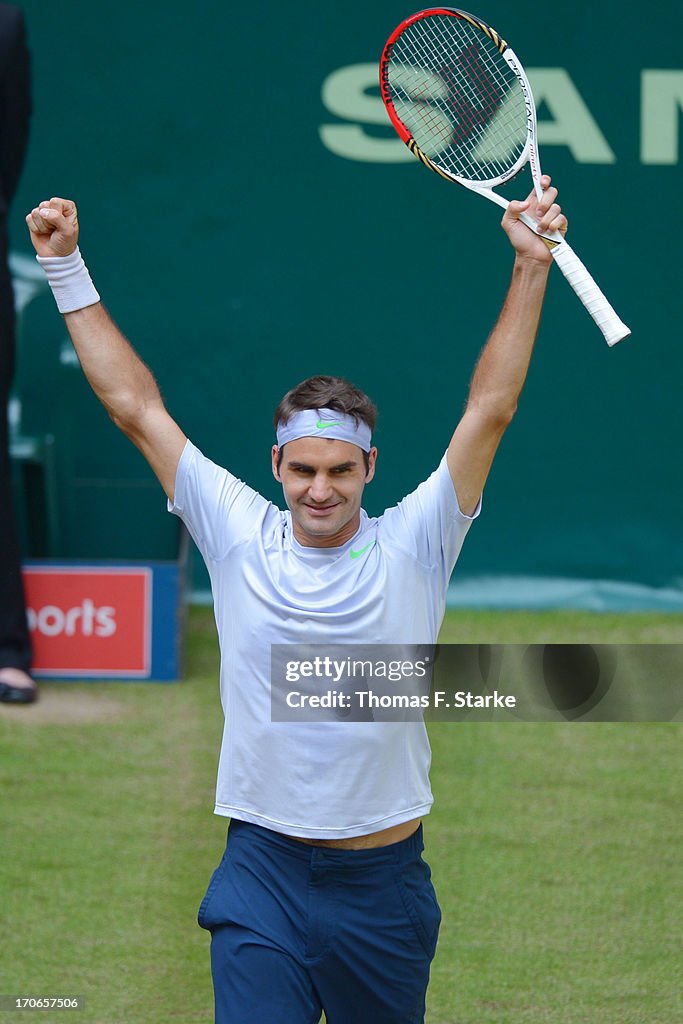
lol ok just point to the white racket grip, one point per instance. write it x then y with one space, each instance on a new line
589 293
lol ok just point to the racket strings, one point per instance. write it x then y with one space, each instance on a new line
458 98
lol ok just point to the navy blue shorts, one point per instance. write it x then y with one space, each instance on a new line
299 929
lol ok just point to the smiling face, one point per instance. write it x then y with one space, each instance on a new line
323 482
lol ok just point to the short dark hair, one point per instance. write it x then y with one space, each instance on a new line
327 393
322 392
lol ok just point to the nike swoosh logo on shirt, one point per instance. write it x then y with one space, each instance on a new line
357 554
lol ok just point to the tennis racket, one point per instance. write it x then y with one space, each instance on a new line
459 98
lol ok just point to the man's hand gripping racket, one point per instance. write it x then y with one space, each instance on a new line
459 98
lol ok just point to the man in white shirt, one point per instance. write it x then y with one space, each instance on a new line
322 900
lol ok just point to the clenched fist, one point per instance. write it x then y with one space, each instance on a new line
53 226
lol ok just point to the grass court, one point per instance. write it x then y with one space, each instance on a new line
555 848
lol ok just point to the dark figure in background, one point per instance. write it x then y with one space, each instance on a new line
16 685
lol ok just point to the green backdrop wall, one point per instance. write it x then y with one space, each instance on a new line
249 219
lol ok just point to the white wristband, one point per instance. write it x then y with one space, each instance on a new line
70 281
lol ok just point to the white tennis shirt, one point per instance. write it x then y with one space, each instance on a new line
325 780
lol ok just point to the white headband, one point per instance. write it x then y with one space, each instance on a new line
324 423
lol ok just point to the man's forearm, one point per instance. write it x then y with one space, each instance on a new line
502 367
500 373
117 375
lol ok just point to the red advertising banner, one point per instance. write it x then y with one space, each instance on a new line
90 621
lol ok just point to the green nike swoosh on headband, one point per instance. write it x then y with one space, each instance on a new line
321 424
357 554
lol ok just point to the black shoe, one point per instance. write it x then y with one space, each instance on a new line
17 694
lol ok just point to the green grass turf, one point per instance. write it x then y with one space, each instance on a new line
554 849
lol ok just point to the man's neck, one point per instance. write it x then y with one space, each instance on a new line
337 540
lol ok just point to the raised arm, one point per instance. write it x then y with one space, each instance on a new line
502 367
117 375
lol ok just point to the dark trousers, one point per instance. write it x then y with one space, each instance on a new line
15 643
298 929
